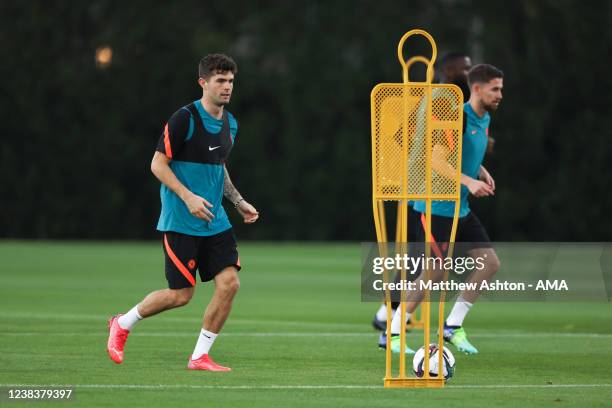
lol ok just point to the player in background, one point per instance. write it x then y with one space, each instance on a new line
453 68
196 233
486 85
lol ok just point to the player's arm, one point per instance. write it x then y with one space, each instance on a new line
440 164
248 212
198 206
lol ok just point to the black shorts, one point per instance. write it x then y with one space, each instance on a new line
470 232
187 253
414 224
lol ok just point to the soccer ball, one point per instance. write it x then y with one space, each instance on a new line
448 366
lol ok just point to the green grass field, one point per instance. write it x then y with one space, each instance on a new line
298 336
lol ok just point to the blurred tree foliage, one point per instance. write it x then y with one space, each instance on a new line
77 138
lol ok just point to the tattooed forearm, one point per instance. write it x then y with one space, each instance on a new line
229 191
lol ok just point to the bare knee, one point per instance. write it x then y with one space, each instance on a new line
180 297
489 261
229 284
492 264
232 285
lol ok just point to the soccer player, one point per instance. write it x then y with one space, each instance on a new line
196 233
453 68
486 85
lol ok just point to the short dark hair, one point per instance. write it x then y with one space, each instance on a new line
215 64
483 73
451 56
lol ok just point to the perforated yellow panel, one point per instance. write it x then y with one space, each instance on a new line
401 134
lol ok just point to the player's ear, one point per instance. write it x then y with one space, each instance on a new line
202 82
475 88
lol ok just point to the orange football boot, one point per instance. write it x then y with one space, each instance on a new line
205 363
117 336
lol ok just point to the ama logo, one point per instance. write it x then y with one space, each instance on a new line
552 285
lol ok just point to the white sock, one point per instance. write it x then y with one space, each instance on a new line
205 342
460 310
128 320
382 313
396 323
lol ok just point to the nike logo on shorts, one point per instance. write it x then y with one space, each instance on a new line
210 149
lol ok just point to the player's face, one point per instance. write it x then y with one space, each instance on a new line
219 87
491 94
458 69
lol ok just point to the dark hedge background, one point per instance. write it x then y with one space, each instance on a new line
77 139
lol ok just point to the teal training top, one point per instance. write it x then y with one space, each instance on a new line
475 139
198 145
